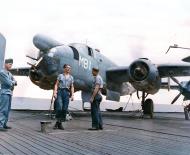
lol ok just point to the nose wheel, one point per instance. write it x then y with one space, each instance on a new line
147 105
187 111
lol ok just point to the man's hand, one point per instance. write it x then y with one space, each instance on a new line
15 83
55 95
91 99
72 98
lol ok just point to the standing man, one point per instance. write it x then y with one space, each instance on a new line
7 83
95 100
63 90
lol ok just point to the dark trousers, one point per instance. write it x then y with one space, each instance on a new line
5 107
96 113
61 104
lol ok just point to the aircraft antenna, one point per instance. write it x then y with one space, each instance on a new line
176 46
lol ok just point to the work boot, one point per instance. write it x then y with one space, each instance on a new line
60 126
3 129
93 128
7 127
101 128
56 125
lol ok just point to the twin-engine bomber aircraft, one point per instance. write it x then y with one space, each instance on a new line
141 75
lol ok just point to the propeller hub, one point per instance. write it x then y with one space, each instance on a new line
139 71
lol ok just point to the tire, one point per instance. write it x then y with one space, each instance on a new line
148 107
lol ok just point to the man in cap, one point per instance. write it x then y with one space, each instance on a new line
95 100
7 83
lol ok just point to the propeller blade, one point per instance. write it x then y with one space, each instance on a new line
168 83
175 80
175 99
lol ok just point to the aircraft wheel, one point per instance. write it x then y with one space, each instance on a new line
86 108
186 112
148 107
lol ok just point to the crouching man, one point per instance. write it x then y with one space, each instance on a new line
7 83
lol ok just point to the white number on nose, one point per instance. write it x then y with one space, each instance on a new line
85 63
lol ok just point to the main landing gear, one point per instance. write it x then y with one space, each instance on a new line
187 111
147 105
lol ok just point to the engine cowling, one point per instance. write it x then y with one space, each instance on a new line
144 76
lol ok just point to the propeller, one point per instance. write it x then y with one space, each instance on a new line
168 83
175 80
175 99
180 88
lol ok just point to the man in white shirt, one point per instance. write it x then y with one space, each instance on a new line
95 100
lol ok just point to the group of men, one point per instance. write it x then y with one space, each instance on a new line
63 92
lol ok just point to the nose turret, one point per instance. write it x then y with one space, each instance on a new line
49 65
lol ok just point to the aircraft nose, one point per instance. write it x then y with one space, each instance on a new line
36 75
49 65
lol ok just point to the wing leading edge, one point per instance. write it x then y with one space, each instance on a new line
167 70
117 83
20 71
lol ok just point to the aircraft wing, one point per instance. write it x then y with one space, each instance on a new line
167 70
117 74
20 71
117 83
120 74
165 85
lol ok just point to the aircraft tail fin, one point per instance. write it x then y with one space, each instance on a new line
2 50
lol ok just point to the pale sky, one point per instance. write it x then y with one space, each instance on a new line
123 30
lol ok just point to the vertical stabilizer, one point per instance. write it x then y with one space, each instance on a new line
2 50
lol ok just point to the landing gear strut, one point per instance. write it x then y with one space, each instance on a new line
187 111
147 105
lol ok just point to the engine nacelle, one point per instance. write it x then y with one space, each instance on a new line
144 76
44 43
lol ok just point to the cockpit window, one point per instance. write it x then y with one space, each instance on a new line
90 52
75 53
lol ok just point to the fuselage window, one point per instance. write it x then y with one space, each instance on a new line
90 52
75 53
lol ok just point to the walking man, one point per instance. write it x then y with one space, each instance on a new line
7 83
63 90
95 100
